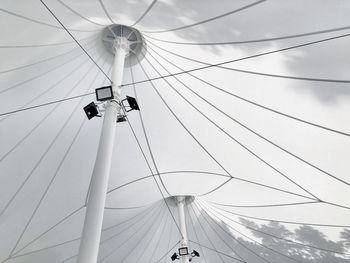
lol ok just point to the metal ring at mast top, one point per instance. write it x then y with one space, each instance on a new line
137 44
173 200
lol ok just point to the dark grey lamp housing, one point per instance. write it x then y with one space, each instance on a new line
132 104
91 110
174 256
104 93
121 118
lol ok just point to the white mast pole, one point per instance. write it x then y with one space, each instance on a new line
90 240
182 219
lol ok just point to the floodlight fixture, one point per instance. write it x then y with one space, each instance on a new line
121 118
183 251
195 253
104 93
91 110
132 104
174 256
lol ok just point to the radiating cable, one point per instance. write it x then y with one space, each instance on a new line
36 45
222 253
240 243
266 205
106 12
217 187
150 43
195 233
221 129
168 251
206 235
335 204
252 40
282 221
218 64
152 175
89 187
18 84
209 19
78 14
148 213
47 115
46 231
140 147
212 173
41 158
148 242
287 204
145 13
67 259
42 61
47 104
59 165
159 239
169 239
257 242
124 208
273 188
59 21
274 236
26 106
49 185
46 44
119 234
132 235
153 160
76 239
28 134
46 248
245 58
280 147
188 131
40 22
154 216
147 139
131 252
160 190
250 101
180 122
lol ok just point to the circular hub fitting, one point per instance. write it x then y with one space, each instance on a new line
172 200
111 36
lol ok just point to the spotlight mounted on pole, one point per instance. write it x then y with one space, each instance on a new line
195 254
91 110
174 256
121 118
183 251
132 104
104 93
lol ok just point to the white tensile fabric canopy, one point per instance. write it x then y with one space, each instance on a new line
244 106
